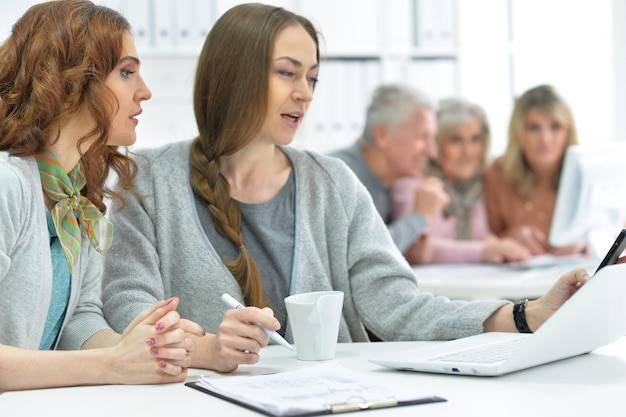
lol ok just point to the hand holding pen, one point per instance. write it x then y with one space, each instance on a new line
277 338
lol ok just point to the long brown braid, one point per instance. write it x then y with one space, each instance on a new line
230 105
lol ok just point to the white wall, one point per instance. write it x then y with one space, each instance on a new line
484 62
619 69
507 47
503 48
569 44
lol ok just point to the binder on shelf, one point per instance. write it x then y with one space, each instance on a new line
164 20
447 24
398 27
337 107
184 25
435 25
138 13
436 77
312 391
425 24
204 16
357 100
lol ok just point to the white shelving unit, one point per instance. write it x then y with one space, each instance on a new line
477 49
364 43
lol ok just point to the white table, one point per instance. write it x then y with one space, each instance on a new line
488 281
587 385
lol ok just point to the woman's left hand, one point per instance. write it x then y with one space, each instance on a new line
540 310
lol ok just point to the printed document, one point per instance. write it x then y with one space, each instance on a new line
314 389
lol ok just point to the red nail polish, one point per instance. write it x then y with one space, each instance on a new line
150 341
162 364
154 350
159 326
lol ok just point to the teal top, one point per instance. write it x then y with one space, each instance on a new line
26 266
61 284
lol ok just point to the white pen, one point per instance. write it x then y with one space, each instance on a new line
232 303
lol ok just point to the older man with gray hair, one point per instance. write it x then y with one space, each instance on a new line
397 142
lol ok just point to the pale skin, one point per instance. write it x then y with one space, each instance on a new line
155 347
544 139
403 151
107 357
258 172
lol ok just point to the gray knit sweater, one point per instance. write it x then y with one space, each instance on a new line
342 244
26 266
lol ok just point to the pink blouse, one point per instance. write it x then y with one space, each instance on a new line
446 247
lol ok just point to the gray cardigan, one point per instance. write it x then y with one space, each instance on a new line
160 250
26 266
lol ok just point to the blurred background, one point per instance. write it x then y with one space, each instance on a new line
487 51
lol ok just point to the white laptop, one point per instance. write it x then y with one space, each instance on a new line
593 317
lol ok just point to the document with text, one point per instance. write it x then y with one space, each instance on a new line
316 390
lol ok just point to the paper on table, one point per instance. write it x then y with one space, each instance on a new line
549 260
309 389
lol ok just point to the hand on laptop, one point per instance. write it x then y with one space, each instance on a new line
540 310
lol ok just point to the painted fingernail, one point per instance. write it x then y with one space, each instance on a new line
159 326
162 364
154 350
150 341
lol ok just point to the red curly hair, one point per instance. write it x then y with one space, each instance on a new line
56 59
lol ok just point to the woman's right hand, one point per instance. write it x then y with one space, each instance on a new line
238 339
155 346
430 198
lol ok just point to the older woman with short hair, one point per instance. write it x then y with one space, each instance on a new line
461 234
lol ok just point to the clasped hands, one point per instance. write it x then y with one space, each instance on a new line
156 343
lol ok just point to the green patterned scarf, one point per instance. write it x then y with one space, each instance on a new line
72 212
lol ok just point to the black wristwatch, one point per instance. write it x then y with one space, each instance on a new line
519 316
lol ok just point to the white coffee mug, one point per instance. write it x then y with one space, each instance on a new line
314 319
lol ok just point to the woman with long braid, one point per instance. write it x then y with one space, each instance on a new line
237 210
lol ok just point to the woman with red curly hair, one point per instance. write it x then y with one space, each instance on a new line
70 91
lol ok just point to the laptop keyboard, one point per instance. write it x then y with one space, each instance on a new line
490 353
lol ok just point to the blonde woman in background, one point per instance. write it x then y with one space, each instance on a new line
461 234
521 185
